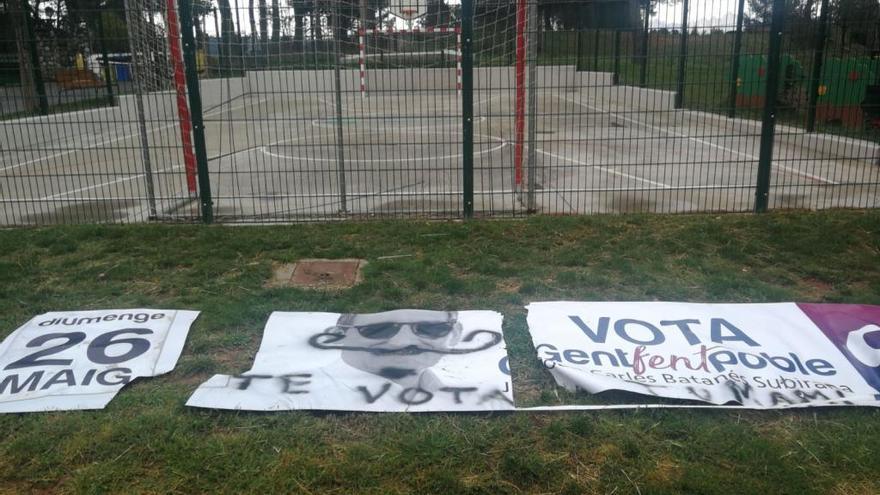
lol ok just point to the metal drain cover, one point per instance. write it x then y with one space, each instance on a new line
318 274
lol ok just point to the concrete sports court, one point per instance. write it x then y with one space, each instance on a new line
273 143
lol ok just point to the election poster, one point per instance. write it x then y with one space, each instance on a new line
753 355
404 360
81 359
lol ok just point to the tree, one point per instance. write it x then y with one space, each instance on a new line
276 21
20 19
800 22
858 21
227 28
252 19
200 9
264 22
299 13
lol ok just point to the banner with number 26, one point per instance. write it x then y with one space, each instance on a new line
80 359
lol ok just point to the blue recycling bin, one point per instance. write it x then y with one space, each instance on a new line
123 72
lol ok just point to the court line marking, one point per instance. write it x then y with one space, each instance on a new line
502 144
120 138
133 177
108 183
698 140
328 122
605 169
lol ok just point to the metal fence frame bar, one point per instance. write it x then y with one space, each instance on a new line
768 122
682 56
195 107
467 106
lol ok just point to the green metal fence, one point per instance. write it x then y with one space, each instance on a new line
184 110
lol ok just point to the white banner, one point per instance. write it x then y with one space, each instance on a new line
406 360
758 355
80 359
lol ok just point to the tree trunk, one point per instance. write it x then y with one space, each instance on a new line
264 22
317 32
227 24
276 21
298 28
227 31
200 33
25 68
252 19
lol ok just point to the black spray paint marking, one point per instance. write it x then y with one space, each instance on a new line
325 341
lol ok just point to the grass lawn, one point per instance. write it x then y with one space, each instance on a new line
148 441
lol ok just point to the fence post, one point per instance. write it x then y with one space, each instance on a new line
682 55
643 68
195 108
36 73
734 62
818 59
615 75
337 82
467 106
768 124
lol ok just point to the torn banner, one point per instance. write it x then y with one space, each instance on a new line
406 360
80 359
757 355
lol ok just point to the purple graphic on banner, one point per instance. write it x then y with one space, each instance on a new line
855 330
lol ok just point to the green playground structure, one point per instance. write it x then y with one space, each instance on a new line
751 80
843 88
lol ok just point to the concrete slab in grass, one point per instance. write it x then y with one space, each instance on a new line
318 274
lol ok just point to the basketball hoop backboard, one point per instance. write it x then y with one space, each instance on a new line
408 9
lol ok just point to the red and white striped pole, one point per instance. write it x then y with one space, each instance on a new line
458 59
362 60
183 116
520 123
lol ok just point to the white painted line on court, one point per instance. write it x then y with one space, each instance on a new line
606 170
108 183
698 140
120 138
501 144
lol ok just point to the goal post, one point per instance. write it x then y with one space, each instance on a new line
157 60
412 49
183 115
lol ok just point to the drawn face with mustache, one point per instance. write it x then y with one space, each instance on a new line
396 344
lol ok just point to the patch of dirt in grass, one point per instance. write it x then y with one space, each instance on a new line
508 286
818 289
230 357
606 452
665 473
856 488
587 473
